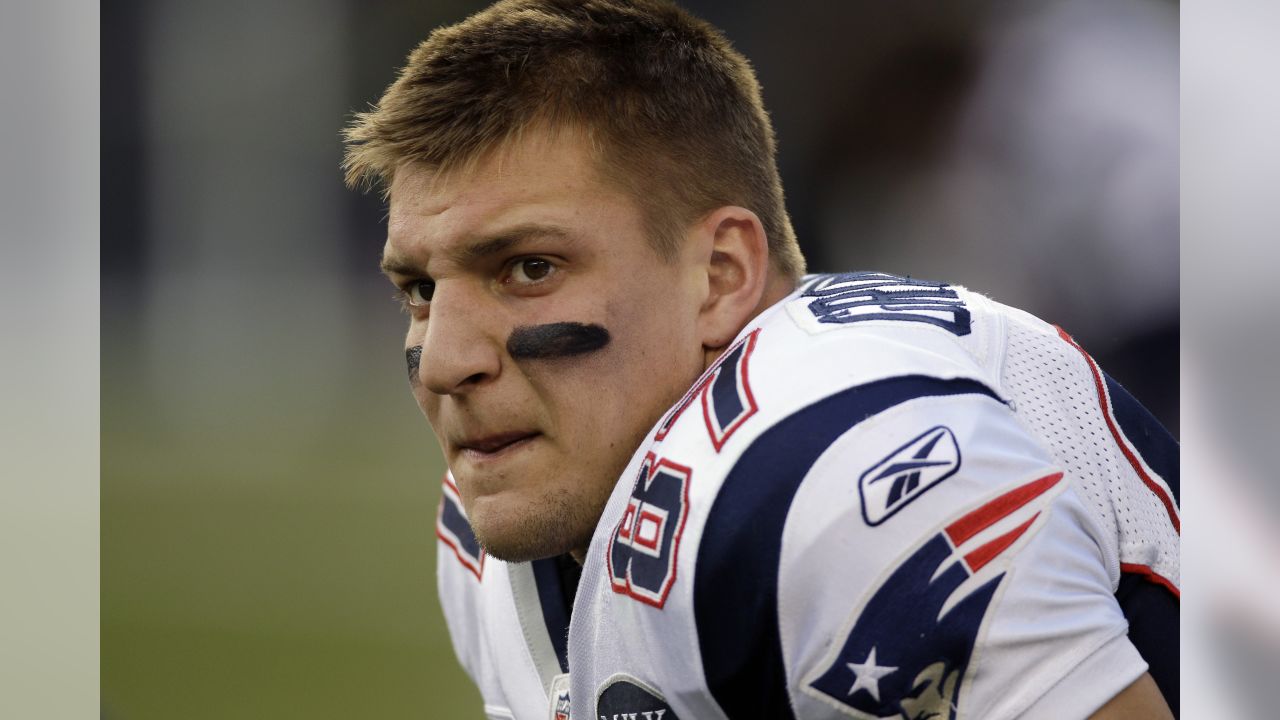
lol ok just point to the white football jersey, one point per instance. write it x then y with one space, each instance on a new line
888 498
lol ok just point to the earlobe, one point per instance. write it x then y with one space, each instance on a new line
737 274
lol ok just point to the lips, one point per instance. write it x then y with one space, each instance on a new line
493 444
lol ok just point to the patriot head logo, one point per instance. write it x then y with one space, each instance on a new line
910 646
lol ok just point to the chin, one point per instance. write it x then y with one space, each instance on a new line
523 547
520 549
520 532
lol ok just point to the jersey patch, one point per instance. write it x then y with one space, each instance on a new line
906 473
453 530
644 548
834 300
622 697
911 646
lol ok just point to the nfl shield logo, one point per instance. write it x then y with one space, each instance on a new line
559 694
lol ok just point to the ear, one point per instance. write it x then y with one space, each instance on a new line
737 274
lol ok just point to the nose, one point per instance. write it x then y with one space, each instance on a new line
458 352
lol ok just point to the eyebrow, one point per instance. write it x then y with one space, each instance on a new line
475 251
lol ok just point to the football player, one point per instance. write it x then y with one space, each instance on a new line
687 480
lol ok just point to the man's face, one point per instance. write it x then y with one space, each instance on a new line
552 335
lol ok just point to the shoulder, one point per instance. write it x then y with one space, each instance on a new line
844 515
865 505
725 463
807 383
822 506
873 562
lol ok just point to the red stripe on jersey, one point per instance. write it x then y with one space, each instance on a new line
988 552
445 536
718 440
1116 435
989 514
477 570
1151 575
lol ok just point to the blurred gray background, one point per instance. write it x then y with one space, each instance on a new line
269 487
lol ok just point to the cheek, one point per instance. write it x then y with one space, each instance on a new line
652 357
429 404
656 345
648 366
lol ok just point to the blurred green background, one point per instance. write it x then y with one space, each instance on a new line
263 569
268 486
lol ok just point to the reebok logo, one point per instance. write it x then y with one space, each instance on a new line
906 473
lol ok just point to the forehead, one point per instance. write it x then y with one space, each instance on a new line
542 176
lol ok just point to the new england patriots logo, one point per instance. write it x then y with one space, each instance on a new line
911 645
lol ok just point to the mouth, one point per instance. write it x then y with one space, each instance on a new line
492 446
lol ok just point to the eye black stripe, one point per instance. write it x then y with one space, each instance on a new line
556 340
413 358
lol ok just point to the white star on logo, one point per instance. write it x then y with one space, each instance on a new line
867 675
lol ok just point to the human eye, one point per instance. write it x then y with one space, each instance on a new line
417 294
529 271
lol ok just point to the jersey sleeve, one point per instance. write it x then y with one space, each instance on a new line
905 548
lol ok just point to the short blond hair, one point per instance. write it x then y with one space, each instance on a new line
675 110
